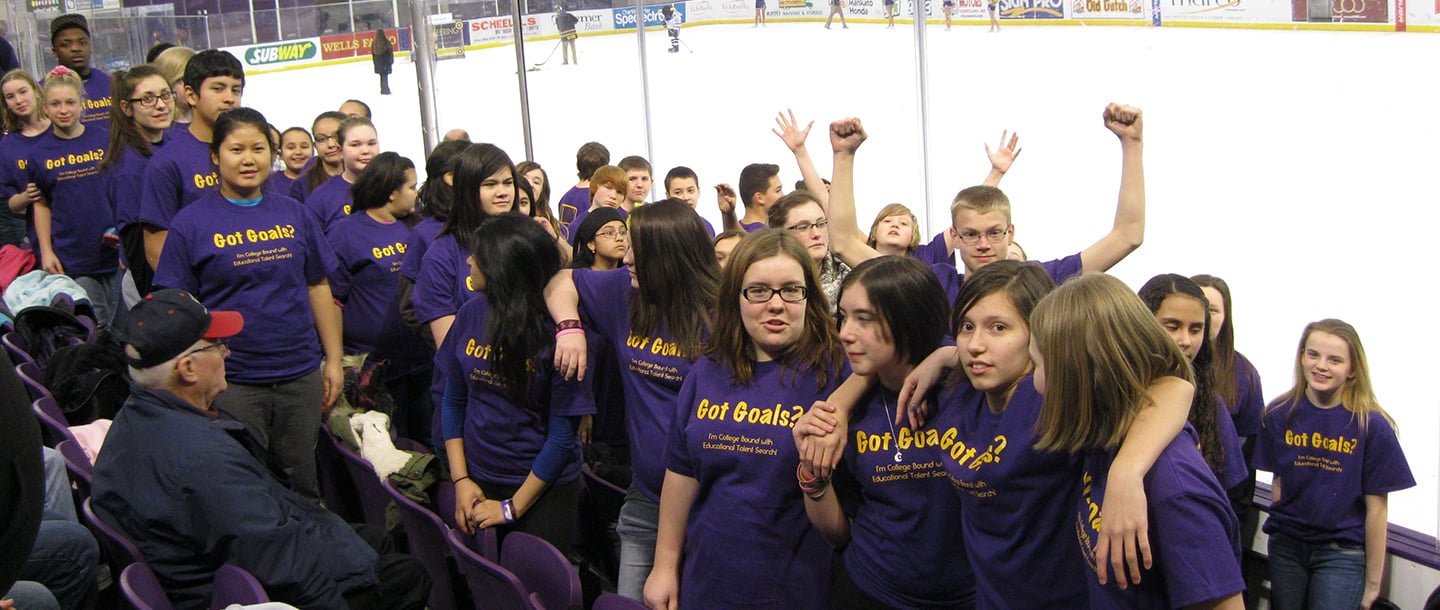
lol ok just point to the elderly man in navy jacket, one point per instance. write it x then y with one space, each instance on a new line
191 487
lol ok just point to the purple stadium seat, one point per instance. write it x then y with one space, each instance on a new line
336 488
426 534
122 551
142 589
612 601
15 344
79 466
234 585
56 429
373 498
445 506
543 570
493 587
34 381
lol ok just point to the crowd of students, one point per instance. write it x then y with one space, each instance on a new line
1104 439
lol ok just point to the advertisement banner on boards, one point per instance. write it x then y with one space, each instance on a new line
1032 9
966 9
1108 9
495 29
288 53
624 18
1418 13
1340 11
450 35
1227 11
873 9
359 44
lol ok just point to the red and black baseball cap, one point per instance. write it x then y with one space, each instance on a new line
167 322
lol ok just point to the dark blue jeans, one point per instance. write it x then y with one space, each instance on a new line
64 560
1329 576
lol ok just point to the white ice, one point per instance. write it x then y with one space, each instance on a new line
1293 164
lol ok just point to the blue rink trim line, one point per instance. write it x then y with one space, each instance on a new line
1402 542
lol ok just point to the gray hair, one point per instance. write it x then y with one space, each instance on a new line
156 377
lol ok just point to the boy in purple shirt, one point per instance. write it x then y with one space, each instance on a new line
981 214
760 188
70 41
682 183
607 190
590 157
181 172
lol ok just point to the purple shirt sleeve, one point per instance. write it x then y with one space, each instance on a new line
1062 269
935 253
1250 399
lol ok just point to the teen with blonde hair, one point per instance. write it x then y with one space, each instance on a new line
75 228
25 123
1193 533
895 231
1334 468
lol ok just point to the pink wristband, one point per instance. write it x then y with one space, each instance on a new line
569 331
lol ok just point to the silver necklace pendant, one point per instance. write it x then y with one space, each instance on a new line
897 457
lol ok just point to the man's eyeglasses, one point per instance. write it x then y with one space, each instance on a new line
972 238
221 345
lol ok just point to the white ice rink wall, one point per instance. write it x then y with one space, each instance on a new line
1290 146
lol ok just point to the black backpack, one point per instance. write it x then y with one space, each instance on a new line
89 380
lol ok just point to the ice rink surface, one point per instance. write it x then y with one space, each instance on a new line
1293 164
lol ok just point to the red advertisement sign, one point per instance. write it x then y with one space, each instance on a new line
354 44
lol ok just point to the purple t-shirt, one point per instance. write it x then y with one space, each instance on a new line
258 260
1059 270
14 151
331 201
502 439
748 543
97 99
421 236
125 182
651 371
751 227
300 187
1015 499
278 183
905 533
935 253
369 253
178 174
571 203
1233 471
1194 535
68 175
444 283
1250 399
1327 466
